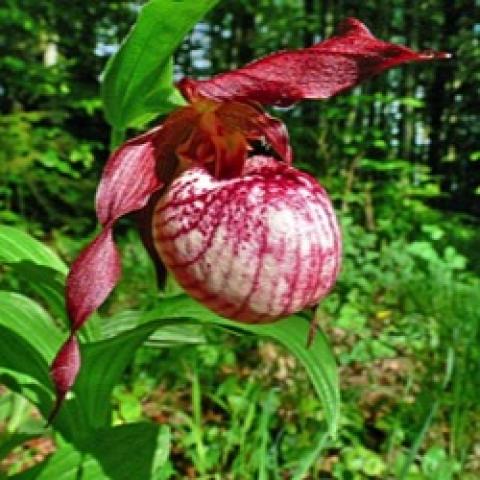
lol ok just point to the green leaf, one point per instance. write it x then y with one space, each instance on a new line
10 441
175 335
166 336
48 284
43 270
31 322
102 366
24 371
291 332
30 341
146 446
16 246
63 465
135 451
138 80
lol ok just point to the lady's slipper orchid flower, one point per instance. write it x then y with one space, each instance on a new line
249 236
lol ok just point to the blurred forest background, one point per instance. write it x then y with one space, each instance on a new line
401 159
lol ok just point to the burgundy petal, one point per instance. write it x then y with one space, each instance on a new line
92 277
255 123
129 179
64 370
320 71
277 135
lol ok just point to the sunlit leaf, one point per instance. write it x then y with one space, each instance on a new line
166 336
16 246
102 367
46 283
28 320
138 80
126 452
292 333
29 342
23 369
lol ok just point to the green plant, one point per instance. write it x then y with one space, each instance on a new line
373 284
31 336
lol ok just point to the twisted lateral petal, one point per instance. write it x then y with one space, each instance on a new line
92 277
317 72
129 179
64 370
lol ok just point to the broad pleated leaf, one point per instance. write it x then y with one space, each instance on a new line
317 72
103 364
46 283
24 370
40 268
126 452
16 246
29 340
167 336
28 320
292 333
138 79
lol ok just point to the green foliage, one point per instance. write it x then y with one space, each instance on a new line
403 319
33 339
17 246
292 333
34 149
138 81
97 457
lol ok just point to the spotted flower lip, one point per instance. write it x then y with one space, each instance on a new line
216 131
254 248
